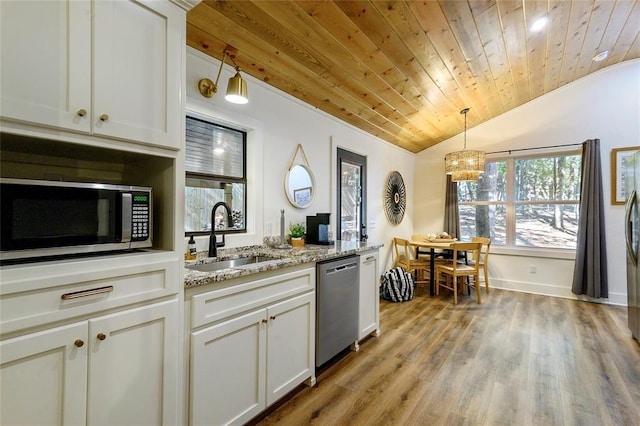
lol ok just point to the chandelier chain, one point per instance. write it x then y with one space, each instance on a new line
465 111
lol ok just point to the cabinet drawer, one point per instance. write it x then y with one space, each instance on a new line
25 303
225 302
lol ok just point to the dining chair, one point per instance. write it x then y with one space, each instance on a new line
453 270
419 237
406 258
484 258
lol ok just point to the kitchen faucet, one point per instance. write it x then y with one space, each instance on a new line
213 242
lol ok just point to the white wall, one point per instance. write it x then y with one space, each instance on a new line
277 123
604 105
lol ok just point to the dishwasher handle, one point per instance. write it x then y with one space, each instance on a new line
342 268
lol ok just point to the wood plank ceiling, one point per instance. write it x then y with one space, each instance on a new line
403 70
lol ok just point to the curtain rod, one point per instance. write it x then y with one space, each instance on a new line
537 147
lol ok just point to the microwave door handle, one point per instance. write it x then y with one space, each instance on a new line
631 202
126 218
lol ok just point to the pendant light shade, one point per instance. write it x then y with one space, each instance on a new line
464 176
237 89
466 164
464 161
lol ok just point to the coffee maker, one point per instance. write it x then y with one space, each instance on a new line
318 230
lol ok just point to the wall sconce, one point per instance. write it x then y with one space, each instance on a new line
236 88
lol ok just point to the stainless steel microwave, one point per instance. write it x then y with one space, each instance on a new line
49 218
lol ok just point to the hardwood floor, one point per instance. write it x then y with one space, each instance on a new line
516 359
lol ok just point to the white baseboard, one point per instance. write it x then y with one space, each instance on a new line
617 299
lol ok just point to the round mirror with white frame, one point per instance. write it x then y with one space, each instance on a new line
299 186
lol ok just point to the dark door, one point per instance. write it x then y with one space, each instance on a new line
352 194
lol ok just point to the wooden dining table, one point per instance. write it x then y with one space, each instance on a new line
432 245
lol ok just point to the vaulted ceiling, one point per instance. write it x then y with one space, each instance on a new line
403 70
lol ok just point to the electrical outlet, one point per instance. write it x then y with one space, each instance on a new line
533 269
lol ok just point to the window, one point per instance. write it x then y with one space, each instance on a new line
215 171
524 202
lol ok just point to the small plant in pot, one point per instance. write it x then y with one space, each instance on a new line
296 232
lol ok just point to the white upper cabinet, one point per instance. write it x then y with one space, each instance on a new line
137 57
110 68
46 62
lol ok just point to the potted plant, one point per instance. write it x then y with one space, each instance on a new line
296 232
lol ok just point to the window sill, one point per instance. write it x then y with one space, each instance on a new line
538 252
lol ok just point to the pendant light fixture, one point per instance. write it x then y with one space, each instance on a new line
466 164
236 88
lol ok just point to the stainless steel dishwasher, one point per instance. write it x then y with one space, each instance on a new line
336 306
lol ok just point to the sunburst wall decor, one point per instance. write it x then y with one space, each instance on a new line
395 198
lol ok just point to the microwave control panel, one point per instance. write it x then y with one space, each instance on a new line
140 216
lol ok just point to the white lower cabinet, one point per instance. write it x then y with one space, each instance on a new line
228 370
242 364
43 377
369 310
132 366
118 368
290 345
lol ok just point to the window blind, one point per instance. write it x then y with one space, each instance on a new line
214 150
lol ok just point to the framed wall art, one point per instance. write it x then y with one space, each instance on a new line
395 198
618 155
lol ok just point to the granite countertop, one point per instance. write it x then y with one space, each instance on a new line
279 258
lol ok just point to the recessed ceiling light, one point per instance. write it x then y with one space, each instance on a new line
601 56
539 24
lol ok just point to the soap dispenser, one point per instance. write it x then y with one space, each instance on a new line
191 250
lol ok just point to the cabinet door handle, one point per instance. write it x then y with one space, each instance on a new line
79 343
82 112
104 117
273 317
101 336
264 321
85 293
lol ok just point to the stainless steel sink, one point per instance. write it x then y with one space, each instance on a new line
231 263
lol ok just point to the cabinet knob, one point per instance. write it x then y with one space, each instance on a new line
79 343
101 336
82 112
264 321
272 317
104 117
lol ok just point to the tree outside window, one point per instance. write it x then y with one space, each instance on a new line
215 163
524 202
